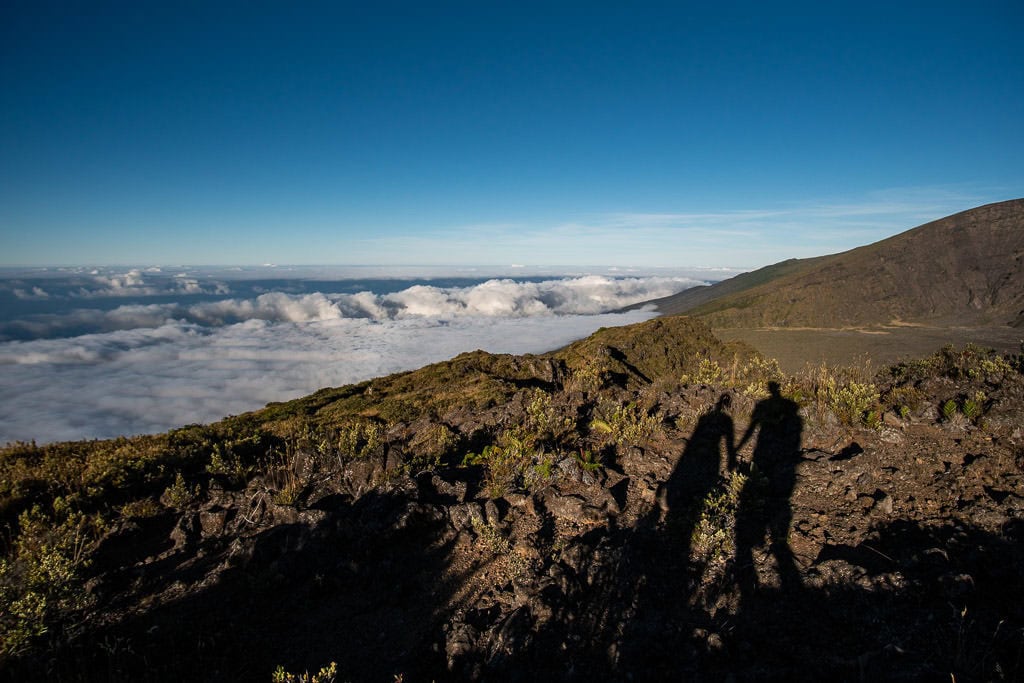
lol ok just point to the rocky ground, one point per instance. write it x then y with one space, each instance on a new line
590 525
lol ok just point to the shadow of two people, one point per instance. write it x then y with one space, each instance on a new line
764 508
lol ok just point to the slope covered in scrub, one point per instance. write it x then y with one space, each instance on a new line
577 515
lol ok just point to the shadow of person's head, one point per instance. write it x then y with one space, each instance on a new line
724 402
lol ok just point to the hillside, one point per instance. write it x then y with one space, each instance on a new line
963 270
566 516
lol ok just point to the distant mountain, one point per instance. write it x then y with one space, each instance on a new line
966 269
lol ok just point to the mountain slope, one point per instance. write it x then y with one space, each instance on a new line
964 269
567 516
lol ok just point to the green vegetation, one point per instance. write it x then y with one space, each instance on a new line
903 399
359 439
587 461
969 363
750 377
179 495
324 675
627 424
524 421
510 464
854 403
431 446
712 538
40 580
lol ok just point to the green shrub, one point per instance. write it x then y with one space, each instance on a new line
237 455
903 399
40 583
712 538
626 424
751 378
970 362
590 376
587 461
854 403
540 413
359 439
509 463
708 372
179 495
324 675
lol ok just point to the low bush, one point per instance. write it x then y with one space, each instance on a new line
40 580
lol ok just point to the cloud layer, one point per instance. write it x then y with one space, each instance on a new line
152 379
151 351
585 295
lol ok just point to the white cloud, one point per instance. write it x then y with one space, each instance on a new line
145 380
29 295
586 295
143 367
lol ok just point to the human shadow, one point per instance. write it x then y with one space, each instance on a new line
697 473
626 597
764 505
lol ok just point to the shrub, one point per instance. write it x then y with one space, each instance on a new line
591 376
324 675
497 543
854 403
359 439
903 399
179 495
751 378
712 538
970 362
430 445
626 424
708 372
236 457
508 463
40 583
540 413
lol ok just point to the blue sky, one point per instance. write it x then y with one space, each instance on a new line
651 134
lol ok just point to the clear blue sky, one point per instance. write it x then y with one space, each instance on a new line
674 133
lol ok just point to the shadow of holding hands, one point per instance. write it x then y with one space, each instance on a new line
645 607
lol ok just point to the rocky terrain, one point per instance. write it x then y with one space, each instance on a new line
598 513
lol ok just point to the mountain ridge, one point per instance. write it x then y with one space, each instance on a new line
964 269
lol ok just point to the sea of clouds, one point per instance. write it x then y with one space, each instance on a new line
96 354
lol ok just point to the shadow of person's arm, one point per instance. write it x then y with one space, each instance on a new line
746 435
732 454
754 422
